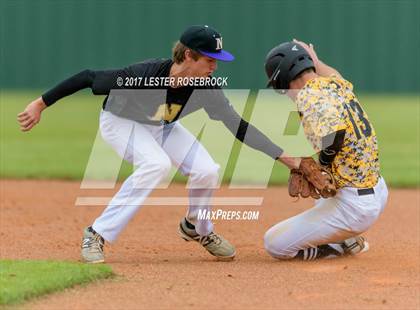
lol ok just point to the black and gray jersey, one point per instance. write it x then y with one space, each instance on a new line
130 94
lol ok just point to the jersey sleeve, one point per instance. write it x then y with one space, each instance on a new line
101 82
219 108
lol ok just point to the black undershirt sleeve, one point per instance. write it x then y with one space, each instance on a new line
101 83
219 108
69 86
252 137
331 145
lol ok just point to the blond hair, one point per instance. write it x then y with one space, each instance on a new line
178 53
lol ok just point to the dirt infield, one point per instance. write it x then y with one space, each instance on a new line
157 269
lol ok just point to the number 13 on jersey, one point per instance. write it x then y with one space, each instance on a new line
358 119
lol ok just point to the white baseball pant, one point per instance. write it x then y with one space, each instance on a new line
153 150
331 220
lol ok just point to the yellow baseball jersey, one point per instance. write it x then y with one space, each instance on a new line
328 104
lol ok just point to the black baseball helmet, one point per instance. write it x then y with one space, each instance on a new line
284 62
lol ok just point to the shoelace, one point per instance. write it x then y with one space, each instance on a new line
95 243
212 238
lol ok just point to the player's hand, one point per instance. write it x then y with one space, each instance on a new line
289 161
321 68
31 115
310 49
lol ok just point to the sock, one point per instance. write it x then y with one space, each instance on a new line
189 225
337 247
308 254
321 251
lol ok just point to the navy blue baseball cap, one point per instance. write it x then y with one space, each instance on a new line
206 41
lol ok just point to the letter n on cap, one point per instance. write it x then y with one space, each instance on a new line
219 42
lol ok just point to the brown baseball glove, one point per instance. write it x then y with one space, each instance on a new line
311 180
300 187
320 178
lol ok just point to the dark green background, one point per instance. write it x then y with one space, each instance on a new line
375 44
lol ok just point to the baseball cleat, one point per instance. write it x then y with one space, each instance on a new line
355 245
215 244
351 246
324 251
92 247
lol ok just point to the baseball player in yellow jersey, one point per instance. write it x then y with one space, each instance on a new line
346 144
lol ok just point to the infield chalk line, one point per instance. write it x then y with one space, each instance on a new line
175 201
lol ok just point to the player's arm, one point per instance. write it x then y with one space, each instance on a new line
254 138
101 82
331 145
251 136
290 162
325 130
321 68
220 109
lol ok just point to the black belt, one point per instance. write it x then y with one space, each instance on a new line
365 191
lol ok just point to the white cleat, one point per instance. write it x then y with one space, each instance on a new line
355 245
92 247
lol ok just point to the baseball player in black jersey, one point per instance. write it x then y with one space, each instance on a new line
139 121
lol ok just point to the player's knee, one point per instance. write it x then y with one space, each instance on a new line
211 173
275 247
269 242
207 176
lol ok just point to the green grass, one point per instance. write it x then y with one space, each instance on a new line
397 123
21 280
59 147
